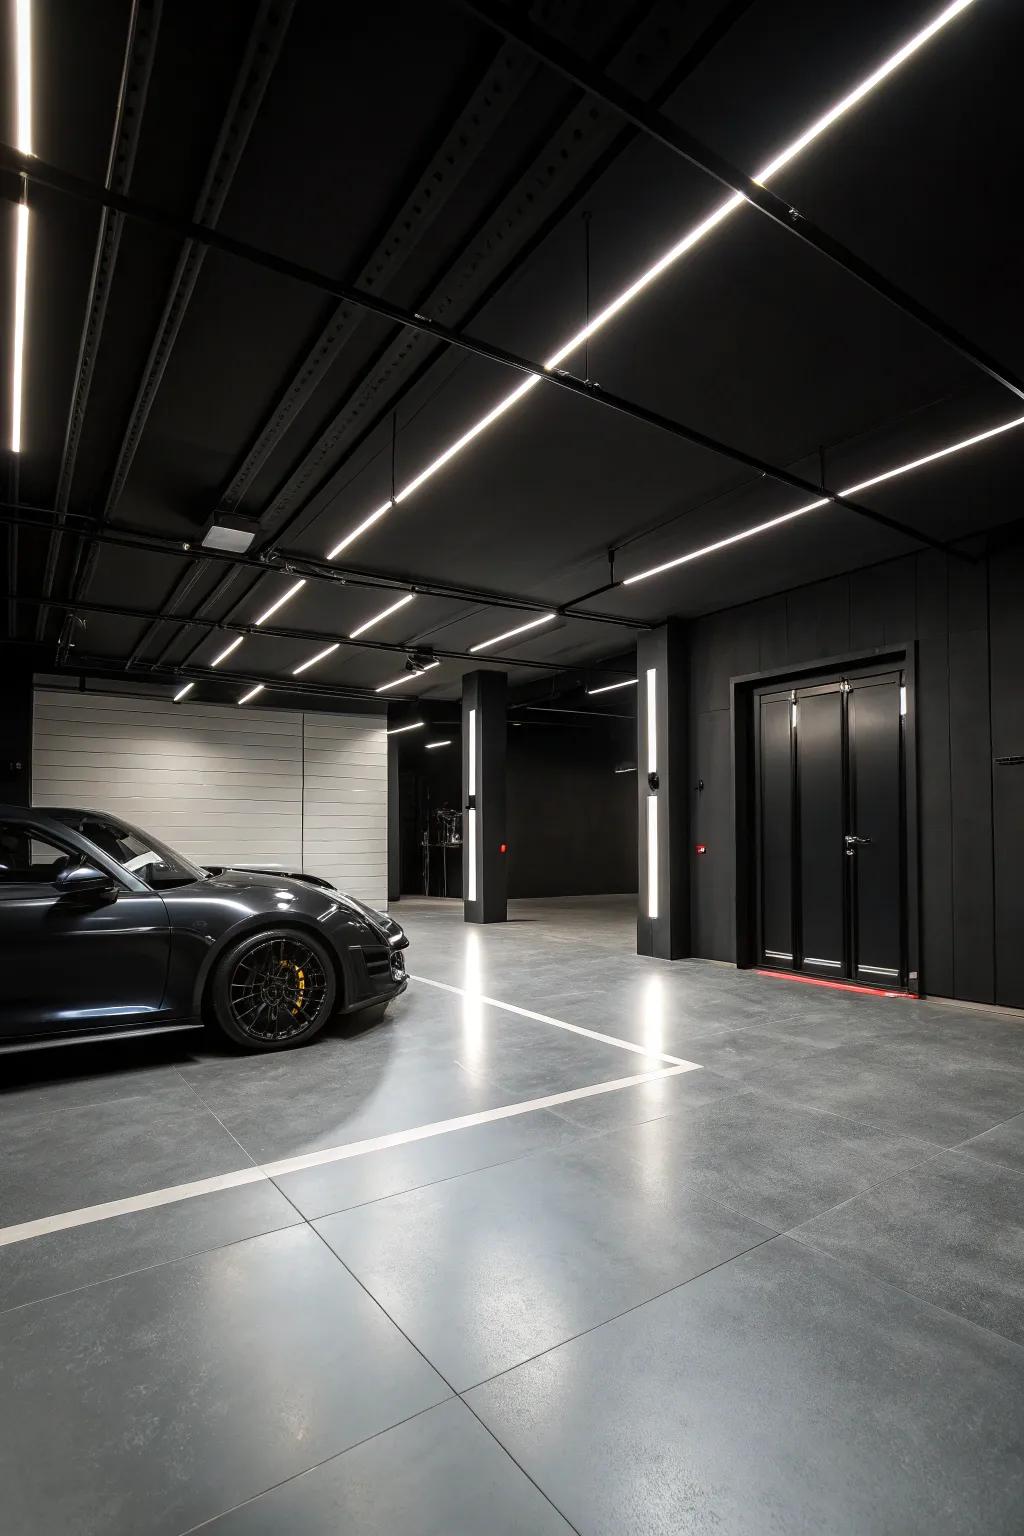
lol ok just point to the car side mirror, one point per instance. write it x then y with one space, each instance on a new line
82 879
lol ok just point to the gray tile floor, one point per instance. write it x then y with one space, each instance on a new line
784 1292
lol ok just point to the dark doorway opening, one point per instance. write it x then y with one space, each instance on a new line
825 822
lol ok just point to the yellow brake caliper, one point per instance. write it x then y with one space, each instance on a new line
300 984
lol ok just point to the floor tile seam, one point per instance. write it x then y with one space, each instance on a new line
145 1269
902 1290
996 1127
116 1098
447 1178
867 1125
211 1111
891 1177
862 1125
606 1322
518 1464
294 1477
668 1114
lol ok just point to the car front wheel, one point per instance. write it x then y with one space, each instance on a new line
273 990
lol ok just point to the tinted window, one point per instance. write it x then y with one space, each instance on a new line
26 858
144 856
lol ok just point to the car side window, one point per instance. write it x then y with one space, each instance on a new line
26 858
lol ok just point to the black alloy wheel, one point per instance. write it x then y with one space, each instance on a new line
274 990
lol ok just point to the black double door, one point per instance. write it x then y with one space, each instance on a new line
830 820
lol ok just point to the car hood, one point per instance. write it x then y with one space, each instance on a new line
309 893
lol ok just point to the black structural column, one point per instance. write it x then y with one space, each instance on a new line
16 729
394 824
484 855
663 830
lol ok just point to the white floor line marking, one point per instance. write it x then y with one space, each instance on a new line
545 1018
93 1213
110 1208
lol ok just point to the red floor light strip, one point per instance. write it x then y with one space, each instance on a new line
836 986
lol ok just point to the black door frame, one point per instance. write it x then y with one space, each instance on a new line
744 787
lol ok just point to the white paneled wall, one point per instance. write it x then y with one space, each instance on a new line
345 803
223 784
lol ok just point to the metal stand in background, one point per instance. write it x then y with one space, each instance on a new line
447 835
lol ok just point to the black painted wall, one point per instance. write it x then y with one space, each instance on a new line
571 817
968 622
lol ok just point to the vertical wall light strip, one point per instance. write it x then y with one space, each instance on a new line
652 720
471 812
652 798
652 855
23 48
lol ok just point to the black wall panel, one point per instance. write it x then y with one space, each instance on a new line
1007 652
968 625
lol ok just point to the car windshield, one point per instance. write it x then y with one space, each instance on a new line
144 856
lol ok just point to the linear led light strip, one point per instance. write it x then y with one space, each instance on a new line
692 238
507 634
825 501
652 798
328 650
23 142
630 682
471 812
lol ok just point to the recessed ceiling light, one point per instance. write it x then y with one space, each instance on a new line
430 745
407 677
417 725
251 694
611 687
226 652
825 501
382 615
668 259
508 634
230 532
183 691
320 656
284 598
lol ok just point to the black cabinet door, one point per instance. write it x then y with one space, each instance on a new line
875 822
822 871
775 770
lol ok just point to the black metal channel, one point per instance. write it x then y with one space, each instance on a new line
62 181
513 24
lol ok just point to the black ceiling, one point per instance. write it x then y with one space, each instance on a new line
410 151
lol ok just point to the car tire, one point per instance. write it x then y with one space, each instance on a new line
273 990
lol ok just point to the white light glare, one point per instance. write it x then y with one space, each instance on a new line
652 720
382 615
284 598
611 687
20 302
652 855
182 692
407 677
226 652
813 506
320 656
508 634
251 694
23 33
417 725
692 238
430 745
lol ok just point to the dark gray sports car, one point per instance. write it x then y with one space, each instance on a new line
105 931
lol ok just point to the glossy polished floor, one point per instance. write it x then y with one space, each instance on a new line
629 1247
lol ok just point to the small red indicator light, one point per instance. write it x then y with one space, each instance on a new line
503 847
700 847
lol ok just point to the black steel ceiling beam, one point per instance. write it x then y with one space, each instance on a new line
16 514
514 25
102 666
140 50
317 637
261 52
62 181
